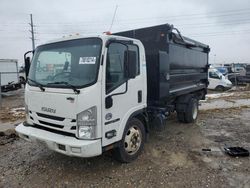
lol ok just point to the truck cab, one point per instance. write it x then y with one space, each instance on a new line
82 91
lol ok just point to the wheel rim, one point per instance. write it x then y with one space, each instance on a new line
195 111
133 140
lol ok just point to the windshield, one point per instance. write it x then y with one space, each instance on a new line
218 73
73 62
222 70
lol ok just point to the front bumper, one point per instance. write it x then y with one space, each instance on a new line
63 144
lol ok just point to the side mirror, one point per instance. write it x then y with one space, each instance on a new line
27 63
220 77
27 66
108 102
131 64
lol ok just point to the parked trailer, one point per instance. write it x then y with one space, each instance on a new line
9 75
111 89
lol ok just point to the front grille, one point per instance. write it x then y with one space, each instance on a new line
50 117
53 130
51 124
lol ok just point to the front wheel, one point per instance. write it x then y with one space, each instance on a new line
132 142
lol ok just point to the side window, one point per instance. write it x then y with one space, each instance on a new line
115 66
136 50
213 75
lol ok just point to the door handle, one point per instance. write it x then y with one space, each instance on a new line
139 94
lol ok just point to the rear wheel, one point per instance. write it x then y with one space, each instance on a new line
192 111
188 112
132 142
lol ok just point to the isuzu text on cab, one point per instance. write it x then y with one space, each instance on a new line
87 95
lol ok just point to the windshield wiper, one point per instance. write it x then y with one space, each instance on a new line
77 91
37 84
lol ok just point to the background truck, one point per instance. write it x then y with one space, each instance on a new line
217 81
111 89
9 75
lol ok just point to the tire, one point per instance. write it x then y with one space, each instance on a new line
127 151
181 117
189 111
220 88
192 111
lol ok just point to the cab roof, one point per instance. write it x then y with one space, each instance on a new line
75 37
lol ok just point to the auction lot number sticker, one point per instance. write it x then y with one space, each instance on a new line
87 60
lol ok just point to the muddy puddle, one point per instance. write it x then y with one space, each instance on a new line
224 103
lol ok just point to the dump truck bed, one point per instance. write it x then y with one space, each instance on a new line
176 65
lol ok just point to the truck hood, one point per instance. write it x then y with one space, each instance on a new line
62 102
54 104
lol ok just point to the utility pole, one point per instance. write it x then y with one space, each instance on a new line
32 32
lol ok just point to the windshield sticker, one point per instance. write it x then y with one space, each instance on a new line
87 60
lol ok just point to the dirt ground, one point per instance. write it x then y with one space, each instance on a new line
12 106
173 157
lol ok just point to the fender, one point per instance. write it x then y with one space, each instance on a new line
141 115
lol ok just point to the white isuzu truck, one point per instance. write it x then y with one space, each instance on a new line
87 95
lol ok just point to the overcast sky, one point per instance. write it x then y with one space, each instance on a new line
222 24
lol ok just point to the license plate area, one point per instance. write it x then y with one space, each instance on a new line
41 143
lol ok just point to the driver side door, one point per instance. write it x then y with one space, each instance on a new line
121 92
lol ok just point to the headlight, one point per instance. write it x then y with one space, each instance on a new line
86 123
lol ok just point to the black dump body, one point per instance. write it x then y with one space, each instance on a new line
176 65
248 71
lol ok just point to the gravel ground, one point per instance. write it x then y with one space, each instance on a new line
171 158
12 108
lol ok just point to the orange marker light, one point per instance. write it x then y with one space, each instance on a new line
107 33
